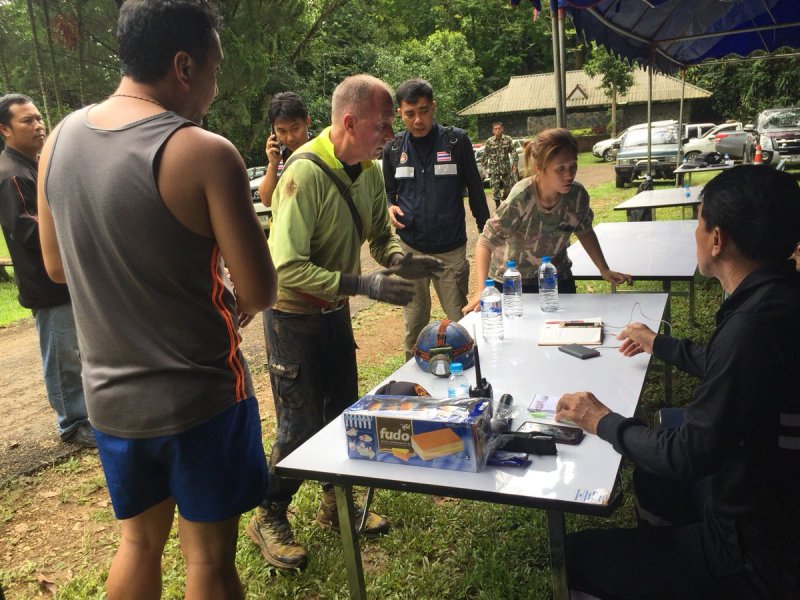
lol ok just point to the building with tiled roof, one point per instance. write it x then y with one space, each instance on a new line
527 104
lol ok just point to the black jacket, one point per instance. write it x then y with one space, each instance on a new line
20 222
431 195
742 429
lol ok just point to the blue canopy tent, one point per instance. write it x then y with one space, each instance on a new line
672 34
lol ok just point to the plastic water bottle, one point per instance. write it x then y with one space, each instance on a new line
686 191
727 159
548 286
512 291
458 387
491 313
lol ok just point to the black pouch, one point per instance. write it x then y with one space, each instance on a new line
530 442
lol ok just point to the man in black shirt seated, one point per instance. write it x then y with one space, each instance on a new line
718 494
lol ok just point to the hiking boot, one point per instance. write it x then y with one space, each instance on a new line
270 530
328 516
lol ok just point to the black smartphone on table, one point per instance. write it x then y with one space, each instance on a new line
582 352
563 434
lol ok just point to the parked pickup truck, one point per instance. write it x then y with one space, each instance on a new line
632 154
778 132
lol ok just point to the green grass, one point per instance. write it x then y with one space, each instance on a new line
438 548
10 310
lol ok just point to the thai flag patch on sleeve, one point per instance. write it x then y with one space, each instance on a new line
443 156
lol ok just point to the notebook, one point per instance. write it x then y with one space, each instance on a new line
588 332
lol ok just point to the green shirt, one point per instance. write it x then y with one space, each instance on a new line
313 238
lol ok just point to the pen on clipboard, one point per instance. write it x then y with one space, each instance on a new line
574 323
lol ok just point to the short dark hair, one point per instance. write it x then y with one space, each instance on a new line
496 123
758 207
151 32
9 100
412 90
286 106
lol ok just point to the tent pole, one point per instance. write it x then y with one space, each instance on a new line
680 124
563 49
557 68
649 117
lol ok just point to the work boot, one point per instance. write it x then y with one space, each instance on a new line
270 530
328 516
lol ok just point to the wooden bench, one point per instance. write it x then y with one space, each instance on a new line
5 262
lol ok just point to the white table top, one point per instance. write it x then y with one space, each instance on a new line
655 250
675 196
580 478
720 167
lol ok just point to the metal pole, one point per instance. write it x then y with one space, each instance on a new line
563 52
680 126
649 118
557 68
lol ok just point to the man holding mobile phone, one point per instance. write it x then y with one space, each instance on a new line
717 495
290 120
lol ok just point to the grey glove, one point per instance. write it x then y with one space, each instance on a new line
417 266
378 285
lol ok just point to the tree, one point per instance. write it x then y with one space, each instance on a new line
743 88
445 60
616 77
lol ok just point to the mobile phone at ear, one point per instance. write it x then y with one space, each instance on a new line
579 351
563 434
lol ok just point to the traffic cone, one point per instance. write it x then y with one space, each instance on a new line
758 158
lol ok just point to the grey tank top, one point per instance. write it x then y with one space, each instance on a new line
157 326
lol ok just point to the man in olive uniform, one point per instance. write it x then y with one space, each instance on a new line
500 163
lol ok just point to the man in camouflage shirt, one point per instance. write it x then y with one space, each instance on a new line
500 163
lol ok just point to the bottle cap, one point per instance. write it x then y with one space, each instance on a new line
511 264
456 368
545 259
488 283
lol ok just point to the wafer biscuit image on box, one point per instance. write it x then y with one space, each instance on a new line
438 443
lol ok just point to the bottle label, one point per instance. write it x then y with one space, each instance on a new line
495 308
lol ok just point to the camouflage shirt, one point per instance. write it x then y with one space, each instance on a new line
523 231
499 155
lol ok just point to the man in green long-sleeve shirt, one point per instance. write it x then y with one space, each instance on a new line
316 243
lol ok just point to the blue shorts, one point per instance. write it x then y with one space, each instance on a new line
215 471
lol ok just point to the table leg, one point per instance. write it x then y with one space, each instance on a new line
691 301
556 531
352 554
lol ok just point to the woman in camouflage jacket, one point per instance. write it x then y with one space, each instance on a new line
538 218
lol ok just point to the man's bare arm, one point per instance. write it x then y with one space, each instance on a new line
47 229
203 181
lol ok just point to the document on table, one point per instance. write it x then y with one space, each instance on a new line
543 406
578 331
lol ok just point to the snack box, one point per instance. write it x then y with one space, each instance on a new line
419 430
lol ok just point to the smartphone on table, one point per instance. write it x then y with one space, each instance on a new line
563 434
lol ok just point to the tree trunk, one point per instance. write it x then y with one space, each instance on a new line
614 110
327 11
51 57
5 76
39 69
81 52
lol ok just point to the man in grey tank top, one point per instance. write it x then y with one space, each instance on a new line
145 205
